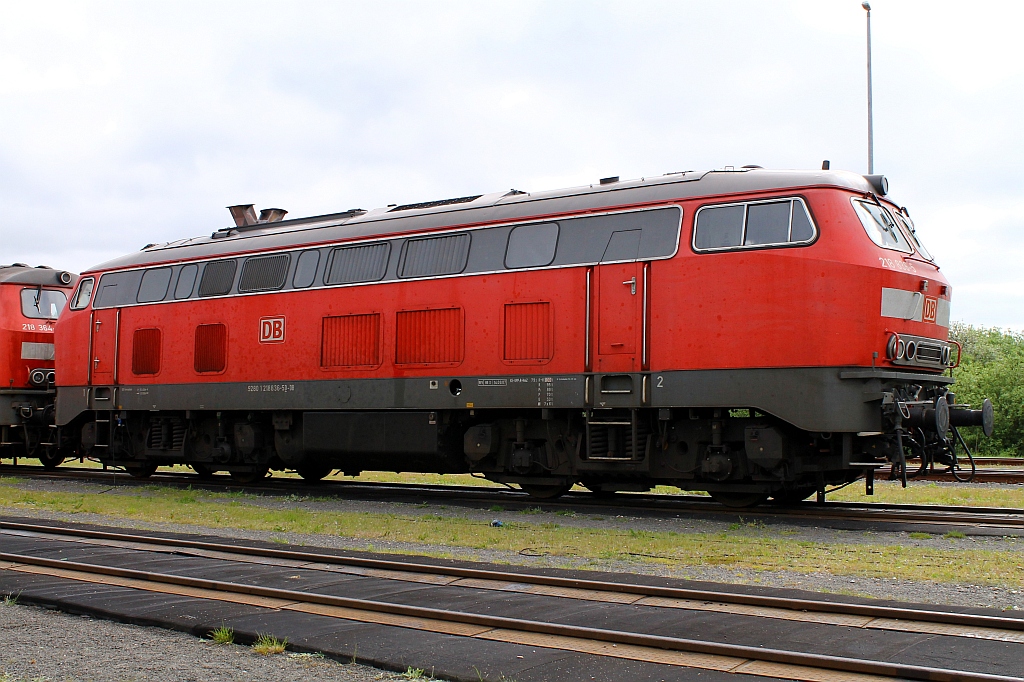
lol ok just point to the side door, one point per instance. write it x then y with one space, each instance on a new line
620 306
103 365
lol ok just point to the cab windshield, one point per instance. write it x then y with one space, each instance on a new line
881 226
42 304
908 227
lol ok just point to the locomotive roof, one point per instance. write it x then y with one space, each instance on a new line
487 208
19 273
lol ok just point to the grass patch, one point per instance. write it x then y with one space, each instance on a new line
412 673
223 635
920 536
268 645
740 550
929 492
11 599
954 535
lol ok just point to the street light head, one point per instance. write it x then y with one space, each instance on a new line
866 6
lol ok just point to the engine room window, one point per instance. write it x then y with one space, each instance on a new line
881 226
42 304
264 273
154 285
186 281
531 245
84 294
305 269
433 256
218 277
364 263
753 224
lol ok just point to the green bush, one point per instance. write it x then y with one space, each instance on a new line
992 367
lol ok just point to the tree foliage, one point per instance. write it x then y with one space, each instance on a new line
992 367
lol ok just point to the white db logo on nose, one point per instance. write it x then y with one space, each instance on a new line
271 330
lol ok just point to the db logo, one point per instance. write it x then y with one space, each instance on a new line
931 306
271 330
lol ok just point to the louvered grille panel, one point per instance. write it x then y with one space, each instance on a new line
211 352
445 255
266 273
351 341
218 277
351 264
528 331
146 351
429 336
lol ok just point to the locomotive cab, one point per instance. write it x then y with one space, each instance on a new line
31 300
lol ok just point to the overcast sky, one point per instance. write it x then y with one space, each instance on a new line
128 123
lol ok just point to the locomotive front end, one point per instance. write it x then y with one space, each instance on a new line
31 299
912 378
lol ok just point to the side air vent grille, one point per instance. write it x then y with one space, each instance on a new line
211 353
433 256
265 273
350 264
146 351
435 204
429 336
218 277
528 332
351 341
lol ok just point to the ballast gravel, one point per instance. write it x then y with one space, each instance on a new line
39 645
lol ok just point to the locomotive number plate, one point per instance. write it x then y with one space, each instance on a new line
272 329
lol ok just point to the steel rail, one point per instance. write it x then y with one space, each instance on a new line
788 603
625 499
948 515
823 661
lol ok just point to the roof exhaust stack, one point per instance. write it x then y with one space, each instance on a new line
272 215
243 214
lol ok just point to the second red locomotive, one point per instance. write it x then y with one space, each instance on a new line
747 332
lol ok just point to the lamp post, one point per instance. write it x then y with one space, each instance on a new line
871 127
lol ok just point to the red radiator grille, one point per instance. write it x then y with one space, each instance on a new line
429 336
351 341
211 348
528 331
146 351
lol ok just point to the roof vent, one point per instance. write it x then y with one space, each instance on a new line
272 215
243 214
609 180
435 204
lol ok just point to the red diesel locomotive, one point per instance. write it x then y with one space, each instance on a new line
747 332
30 301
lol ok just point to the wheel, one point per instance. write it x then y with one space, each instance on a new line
794 495
313 472
251 476
545 492
144 470
203 470
50 458
738 500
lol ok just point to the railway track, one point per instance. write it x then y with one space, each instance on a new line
182 566
990 521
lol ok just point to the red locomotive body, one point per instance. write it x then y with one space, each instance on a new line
30 301
747 332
